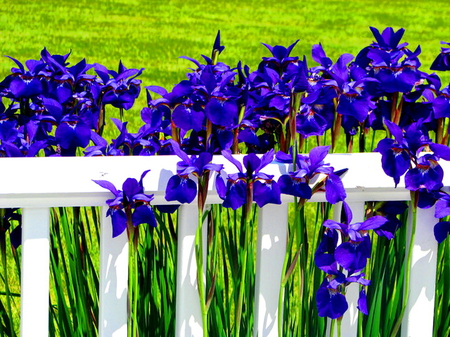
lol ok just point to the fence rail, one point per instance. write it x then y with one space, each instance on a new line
36 184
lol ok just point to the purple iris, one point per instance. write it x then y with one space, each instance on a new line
442 61
122 89
398 153
330 301
426 174
130 206
244 187
353 252
297 183
390 210
181 187
442 228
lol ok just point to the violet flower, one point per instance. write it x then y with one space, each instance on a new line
181 187
244 187
130 206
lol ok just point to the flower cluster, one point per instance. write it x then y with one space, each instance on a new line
342 255
56 108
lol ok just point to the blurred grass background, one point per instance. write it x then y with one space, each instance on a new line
153 34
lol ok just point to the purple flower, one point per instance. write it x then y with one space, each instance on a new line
353 252
441 231
397 154
390 210
244 187
330 301
442 61
297 183
130 206
123 88
181 187
427 174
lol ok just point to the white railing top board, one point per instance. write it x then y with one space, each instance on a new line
67 181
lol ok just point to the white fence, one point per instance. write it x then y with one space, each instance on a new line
36 184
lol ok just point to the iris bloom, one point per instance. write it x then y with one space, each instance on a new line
353 252
130 206
244 187
181 187
297 183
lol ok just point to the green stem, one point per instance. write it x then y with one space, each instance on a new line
408 264
333 323
243 263
339 321
7 290
199 260
133 285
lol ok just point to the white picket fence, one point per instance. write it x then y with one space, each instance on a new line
36 184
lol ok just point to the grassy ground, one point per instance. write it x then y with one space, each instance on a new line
153 34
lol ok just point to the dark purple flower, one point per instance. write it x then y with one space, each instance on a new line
72 133
427 174
398 154
297 183
180 186
130 206
330 301
250 183
353 252
442 61
390 210
123 88
441 231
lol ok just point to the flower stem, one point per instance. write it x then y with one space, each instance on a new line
133 283
200 273
398 323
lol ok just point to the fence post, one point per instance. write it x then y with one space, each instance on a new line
419 315
113 313
35 272
271 251
188 313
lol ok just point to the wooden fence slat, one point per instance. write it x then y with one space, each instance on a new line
113 286
35 272
271 251
419 315
188 315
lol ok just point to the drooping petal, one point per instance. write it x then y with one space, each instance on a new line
181 189
144 214
119 221
330 304
187 118
441 231
236 195
108 185
362 302
294 187
334 189
265 193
